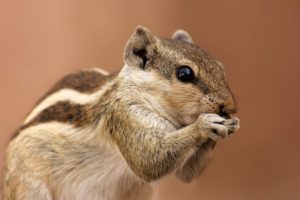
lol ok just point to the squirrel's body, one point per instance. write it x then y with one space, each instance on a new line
99 136
59 127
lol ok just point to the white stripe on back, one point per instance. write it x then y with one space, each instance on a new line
69 95
101 71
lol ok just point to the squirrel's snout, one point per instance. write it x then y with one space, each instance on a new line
228 107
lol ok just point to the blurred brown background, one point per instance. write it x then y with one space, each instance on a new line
257 40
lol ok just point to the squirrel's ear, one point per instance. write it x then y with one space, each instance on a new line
182 35
139 48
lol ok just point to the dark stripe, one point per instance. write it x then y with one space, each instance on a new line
65 111
82 81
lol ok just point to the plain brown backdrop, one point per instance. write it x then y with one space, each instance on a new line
257 41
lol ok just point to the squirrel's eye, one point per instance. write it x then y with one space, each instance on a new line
185 74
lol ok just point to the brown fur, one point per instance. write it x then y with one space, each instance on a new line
82 81
61 112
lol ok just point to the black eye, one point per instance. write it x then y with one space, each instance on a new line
185 74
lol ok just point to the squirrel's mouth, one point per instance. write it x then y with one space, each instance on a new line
225 115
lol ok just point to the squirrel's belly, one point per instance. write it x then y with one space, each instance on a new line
56 153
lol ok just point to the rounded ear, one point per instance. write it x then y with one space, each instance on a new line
182 35
139 48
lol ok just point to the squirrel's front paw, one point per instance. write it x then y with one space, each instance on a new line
217 127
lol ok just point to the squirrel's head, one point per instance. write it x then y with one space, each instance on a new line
184 79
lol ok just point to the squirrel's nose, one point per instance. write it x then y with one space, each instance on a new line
229 106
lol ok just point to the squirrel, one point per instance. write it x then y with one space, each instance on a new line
105 136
